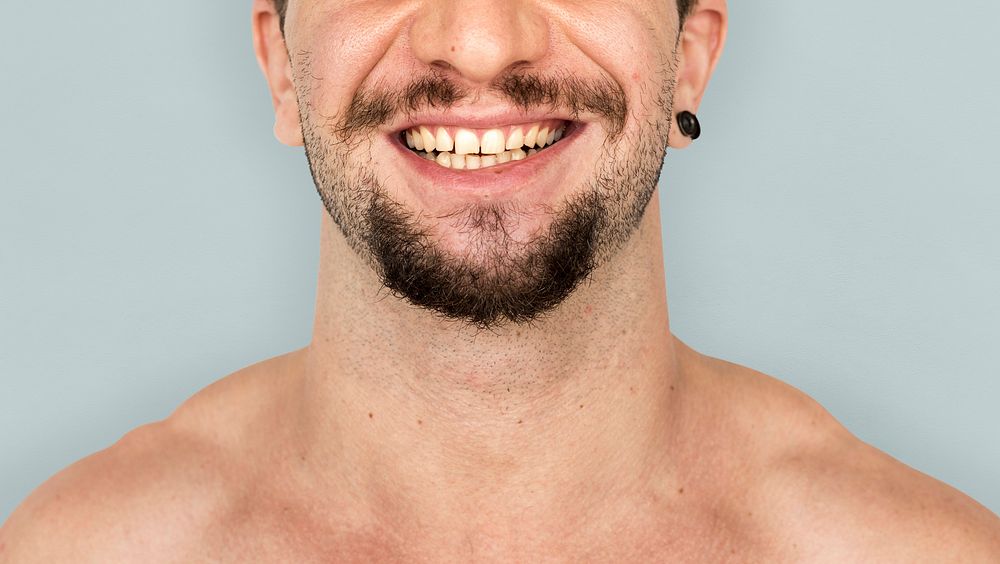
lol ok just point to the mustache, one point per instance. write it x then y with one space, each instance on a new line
374 106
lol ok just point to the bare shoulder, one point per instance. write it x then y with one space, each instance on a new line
834 497
150 495
142 493
846 497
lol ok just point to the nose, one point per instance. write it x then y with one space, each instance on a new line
479 40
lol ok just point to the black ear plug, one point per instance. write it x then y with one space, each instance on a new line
689 124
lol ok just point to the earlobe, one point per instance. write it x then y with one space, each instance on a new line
287 128
287 125
685 126
272 57
700 43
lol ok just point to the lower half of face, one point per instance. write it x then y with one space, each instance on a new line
490 225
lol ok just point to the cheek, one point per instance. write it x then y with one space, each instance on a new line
630 41
337 48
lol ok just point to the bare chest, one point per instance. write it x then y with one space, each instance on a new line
290 536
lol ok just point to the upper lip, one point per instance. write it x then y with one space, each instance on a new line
478 119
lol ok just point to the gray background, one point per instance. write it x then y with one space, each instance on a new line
835 227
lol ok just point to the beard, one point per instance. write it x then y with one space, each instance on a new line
496 279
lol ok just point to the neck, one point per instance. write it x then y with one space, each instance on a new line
532 422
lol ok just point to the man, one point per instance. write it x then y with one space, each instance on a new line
492 375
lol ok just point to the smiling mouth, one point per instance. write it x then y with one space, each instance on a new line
460 148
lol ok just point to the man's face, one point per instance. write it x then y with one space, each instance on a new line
484 157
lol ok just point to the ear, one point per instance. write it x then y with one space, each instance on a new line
272 56
701 41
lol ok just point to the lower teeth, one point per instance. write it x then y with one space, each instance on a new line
473 162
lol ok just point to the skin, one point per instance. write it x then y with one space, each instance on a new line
593 434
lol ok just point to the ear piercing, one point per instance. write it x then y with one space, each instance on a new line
689 124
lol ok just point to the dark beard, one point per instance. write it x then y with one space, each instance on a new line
501 285
501 280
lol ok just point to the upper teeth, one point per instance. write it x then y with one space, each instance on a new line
462 141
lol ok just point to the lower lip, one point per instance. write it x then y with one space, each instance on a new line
497 180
